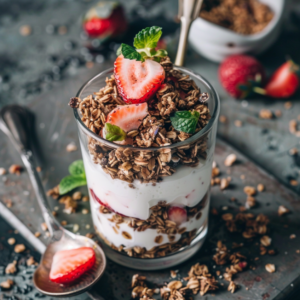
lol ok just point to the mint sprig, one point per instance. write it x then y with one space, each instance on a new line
76 179
114 133
185 121
145 43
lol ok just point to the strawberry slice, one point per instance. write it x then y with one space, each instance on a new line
68 265
128 117
177 214
138 81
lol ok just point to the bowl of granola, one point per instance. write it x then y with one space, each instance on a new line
147 132
227 27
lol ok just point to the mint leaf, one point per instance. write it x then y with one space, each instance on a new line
76 168
114 133
71 182
185 121
147 38
129 52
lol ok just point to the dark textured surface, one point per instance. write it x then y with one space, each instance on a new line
29 75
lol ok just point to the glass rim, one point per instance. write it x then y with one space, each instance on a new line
190 140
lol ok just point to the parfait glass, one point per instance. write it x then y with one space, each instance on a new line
132 217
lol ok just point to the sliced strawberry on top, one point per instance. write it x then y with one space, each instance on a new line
128 117
68 265
177 214
138 81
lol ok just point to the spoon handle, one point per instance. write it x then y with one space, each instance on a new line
188 11
15 122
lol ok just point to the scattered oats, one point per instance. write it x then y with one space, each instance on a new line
225 208
25 30
44 226
232 287
298 251
265 240
89 64
224 183
230 160
85 211
293 151
47 234
75 227
238 123
227 217
54 193
292 236
214 211
71 147
56 208
19 248
11 241
282 210
293 182
30 261
37 234
8 203
288 105
6 284
38 169
16 231
2 171
87 226
250 202
54 213
76 196
85 198
11 268
15 169
242 208
174 285
243 177
63 223
260 187
249 190
270 268
265 114
271 252
223 119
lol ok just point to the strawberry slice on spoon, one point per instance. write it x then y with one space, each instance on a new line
138 81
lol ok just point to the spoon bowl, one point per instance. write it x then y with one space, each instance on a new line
41 276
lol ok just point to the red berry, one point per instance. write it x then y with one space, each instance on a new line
284 82
68 265
243 264
238 74
138 81
177 214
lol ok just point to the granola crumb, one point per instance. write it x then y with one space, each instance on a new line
278 113
224 183
11 268
62 30
44 226
75 228
90 235
85 211
265 114
74 102
2 171
71 147
19 248
249 190
243 177
250 202
54 213
293 151
38 169
173 274
260 187
282 210
232 287
30 261
15 169
223 119
63 223
11 241
230 160
85 199
292 236
288 105
25 30
54 193
77 196
270 268
7 284
37 234
238 123
271 252
293 182
265 241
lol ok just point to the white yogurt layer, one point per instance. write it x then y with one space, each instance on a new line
187 186
138 238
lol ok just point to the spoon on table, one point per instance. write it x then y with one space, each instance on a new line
188 11
15 122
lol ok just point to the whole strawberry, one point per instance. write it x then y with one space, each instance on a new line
239 74
105 20
283 83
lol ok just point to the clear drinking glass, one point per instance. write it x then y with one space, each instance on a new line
131 218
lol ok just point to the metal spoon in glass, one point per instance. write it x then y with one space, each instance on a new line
15 122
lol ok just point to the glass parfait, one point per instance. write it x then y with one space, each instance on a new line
131 208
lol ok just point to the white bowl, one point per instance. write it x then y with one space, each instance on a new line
216 43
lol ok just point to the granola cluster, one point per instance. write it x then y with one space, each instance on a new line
158 220
156 129
242 16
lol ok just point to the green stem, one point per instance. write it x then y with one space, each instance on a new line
259 90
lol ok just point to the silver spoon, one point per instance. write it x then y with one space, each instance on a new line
15 122
188 11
